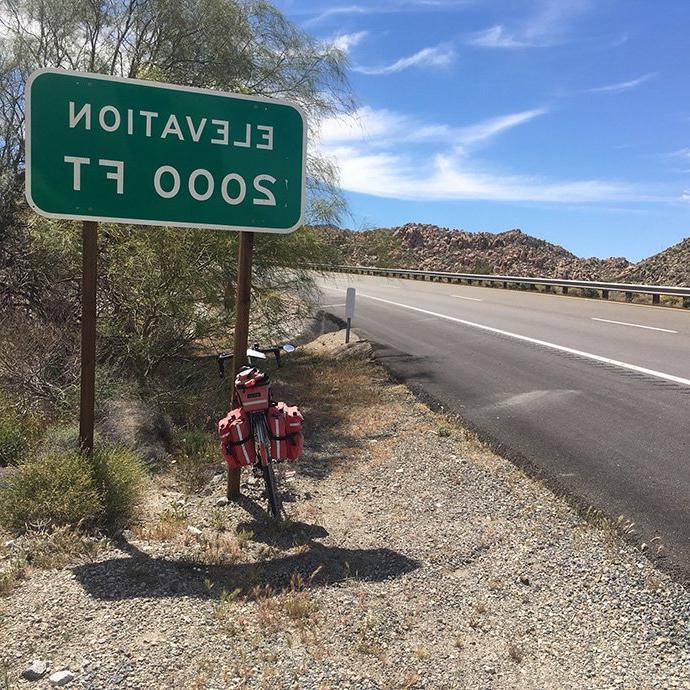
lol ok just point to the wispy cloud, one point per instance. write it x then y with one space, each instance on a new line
681 153
447 177
437 56
488 129
385 128
498 37
345 42
548 26
391 7
379 153
622 86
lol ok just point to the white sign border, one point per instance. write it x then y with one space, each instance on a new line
174 87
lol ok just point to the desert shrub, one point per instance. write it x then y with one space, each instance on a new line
119 476
16 434
71 488
51 490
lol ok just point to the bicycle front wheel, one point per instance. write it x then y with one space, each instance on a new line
274 502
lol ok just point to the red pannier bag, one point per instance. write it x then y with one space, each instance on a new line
253 388
236 441
285 429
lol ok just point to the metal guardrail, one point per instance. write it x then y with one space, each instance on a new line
531 281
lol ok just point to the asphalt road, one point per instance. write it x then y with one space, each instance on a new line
594 395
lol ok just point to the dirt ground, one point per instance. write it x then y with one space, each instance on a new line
412 557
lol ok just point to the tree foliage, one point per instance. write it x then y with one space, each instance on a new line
161 290
244 46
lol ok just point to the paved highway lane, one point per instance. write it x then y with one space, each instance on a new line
596 395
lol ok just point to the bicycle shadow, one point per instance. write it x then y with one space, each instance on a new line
137 575
282 534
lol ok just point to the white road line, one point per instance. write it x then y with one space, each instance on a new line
324 306
635 325
474 299
543 343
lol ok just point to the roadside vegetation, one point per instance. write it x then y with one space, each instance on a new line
165 296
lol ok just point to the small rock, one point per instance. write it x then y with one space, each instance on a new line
36 670
524 580
61 678
221 502
195 531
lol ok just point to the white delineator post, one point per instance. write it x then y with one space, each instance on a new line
349 311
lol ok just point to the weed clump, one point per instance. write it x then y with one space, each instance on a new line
16 434
53 490
119 476
72 488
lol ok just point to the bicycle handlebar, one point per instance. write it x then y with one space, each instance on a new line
275 350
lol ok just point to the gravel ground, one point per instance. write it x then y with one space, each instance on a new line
411 559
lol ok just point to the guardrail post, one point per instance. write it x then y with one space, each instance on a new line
505 284
655 299
564 289
629 296
604 294
686 302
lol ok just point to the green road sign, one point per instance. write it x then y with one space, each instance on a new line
130 151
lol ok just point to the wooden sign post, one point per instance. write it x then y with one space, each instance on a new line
244 286
88 334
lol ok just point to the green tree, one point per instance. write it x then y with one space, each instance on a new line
244 46
161 290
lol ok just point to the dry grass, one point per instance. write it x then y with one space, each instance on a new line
45 549
222 611
51 549
12 572
166 526
218 520
217 548
421 653
299 606
243 537
341 398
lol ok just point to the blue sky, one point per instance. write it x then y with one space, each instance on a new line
569 119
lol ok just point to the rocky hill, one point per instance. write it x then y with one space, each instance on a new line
670 267
429 247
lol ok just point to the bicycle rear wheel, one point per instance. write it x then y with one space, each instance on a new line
274 502
264 449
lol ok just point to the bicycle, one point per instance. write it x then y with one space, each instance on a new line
246 439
